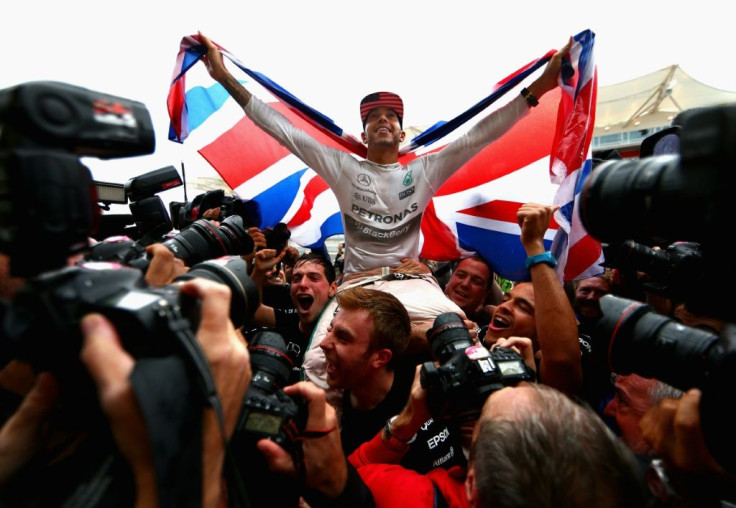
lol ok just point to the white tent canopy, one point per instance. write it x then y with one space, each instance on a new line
652 101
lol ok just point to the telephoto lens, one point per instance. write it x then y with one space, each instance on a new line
233 272
203 240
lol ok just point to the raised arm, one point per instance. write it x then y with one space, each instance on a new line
557 330
218 71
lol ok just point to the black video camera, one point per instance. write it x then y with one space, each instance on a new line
267 411
663 199
468 373
48 208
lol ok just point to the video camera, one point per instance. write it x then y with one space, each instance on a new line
468 373
663 199
48 207
680 201
48 210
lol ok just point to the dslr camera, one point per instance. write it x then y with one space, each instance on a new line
670 271
267 411
468 373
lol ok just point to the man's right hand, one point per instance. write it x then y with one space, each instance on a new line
325 465
213 60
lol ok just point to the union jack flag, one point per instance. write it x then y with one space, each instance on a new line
544 158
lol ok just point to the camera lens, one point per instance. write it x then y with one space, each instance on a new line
634 199
233 272
202 240
651 345
448 335
269 360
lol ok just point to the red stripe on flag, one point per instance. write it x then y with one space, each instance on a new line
439 242
581 256
528 141
314 188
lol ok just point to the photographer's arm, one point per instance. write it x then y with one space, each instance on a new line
164 266
557 330
227 353
265 260
392 442
26 431
110 367
326 472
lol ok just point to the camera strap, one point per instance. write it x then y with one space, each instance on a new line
172 383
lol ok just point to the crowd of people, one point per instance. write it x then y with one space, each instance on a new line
343 414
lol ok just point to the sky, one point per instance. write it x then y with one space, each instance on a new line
441 57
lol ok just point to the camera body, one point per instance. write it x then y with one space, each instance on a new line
183 214
663 199
42 326
267 411
468 373
670 271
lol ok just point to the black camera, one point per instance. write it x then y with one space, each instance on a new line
267 411
468 373
644 342
183 214
670 271
663 199
42 326
199 242
277 237
48 206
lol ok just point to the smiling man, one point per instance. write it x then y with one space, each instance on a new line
470 286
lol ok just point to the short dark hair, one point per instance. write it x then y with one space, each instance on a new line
318 258
477 257
391 321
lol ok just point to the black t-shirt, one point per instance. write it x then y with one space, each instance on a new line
437 444
597 388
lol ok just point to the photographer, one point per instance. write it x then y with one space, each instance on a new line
30 436
529 444
672 428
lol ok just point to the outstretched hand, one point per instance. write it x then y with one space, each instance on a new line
213 59
549 78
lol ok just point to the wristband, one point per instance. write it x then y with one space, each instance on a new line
544 257
391 440
529 97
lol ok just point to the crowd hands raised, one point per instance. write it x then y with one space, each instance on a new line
373 430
